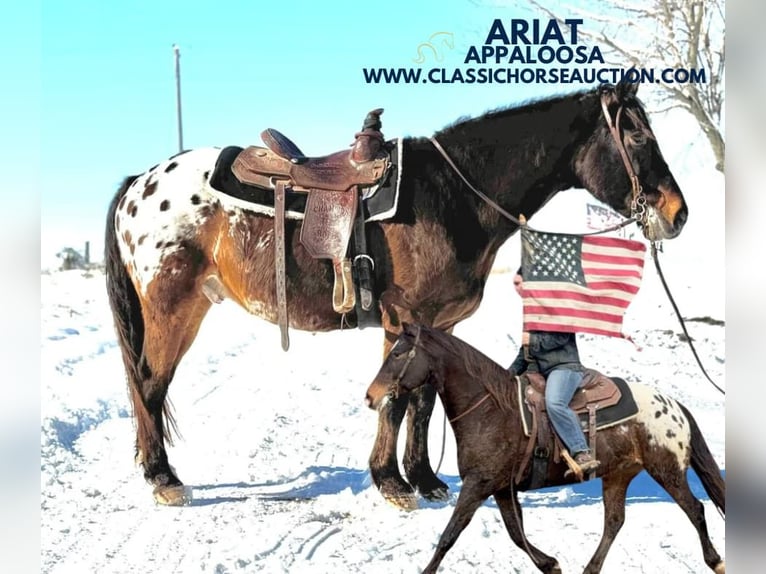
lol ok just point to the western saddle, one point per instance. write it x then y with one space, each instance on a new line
333 183
596 392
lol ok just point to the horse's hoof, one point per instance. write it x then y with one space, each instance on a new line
720 568
178 495
404 501
440 494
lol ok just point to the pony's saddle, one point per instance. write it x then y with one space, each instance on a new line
600 402
333 184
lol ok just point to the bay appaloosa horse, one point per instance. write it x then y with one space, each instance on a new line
482 403
168 233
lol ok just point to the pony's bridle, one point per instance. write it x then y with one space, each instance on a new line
638 203
393 389
395 386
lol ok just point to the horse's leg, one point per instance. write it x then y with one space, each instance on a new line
167 337
417 466
157 310
472 495
510 510
676 485
614 488
384 466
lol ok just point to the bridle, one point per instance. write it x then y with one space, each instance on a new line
395 386
638 212
638 201
393 389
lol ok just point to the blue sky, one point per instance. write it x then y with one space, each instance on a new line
108 103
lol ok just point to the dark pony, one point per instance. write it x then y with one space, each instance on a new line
170 237
481 401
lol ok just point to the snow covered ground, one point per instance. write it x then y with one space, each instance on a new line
275 445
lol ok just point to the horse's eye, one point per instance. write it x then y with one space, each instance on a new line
396 351
637 138
399 353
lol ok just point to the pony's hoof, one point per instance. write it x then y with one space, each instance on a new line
178 495
436 495
404 501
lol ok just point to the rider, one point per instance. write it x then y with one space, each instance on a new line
555 356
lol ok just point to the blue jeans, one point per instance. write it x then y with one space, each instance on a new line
560 387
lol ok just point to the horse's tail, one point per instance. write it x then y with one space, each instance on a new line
128 319
705 465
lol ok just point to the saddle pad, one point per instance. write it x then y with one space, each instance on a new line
624 410
379 201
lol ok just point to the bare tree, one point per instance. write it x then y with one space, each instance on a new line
676 34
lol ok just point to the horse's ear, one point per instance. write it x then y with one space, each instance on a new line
626 89
608 93
605 89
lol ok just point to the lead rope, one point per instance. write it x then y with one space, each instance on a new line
680 318
502 211
484 197
444 426
444 441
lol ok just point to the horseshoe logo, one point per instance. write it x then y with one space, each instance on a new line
434 45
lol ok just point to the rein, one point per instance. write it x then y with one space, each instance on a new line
452 420
680 318
637 205
393 392
470 409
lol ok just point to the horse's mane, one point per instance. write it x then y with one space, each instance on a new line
517 127
524 107
492 376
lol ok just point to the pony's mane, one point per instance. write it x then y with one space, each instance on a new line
492 376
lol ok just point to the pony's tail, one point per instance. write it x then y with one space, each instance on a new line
128 320
705 465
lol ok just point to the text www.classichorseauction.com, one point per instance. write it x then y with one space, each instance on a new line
517 53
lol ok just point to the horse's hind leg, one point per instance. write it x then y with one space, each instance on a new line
614 490
510 509
384 466
677 486
417 466
167 337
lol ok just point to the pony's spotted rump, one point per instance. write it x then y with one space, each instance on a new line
174 246
666 424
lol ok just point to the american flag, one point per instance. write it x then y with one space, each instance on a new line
576 283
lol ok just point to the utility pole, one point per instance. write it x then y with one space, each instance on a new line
177 53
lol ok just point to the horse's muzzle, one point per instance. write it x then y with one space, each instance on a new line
374 401
667 217
378 396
